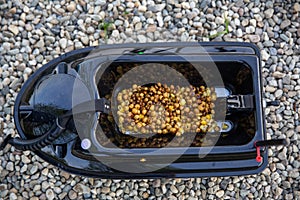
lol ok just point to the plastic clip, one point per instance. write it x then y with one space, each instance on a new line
258 156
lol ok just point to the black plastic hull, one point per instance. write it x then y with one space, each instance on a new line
227 160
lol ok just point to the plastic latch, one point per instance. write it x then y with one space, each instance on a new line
240 102
258 156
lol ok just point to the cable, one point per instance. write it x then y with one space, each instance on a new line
100 105
36 143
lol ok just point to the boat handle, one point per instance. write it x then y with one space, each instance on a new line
274 142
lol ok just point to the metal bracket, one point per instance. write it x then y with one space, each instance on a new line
240 102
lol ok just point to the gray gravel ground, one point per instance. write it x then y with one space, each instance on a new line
32 33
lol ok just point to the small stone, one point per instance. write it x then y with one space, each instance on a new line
118 22
32 62
160 20
250 29
7 34
220 193
72 194
30 17
287 112
13 196
13 10
295 76
278 93
145 195
50 194
181 188
3 187
62 195
33 169
167 19
142 8
297 7
90 30
285 24
6 81
71 7
28 70
63 43
163 189
51 39
115 33
157 7
173 189
278 191
219 20
25 159
151 28
185 5
292 93
239 33
280 166
268 43
136 19
142 38
204 4
289 196
10 166
40 43
179 15
273 51
224 184
78 45
286 184
244 193
190 15
156 183
284 37
296 164
264 55
138 26
269 13
105 190
267 172
197 24
39 58
254 38
14 29
245 22
100 2
81 188
45 171
278 74
130 4
119 192
286 80
255 10
84 40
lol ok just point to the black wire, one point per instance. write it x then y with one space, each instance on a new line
101 105
36 143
